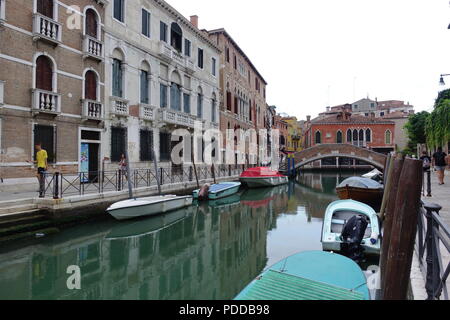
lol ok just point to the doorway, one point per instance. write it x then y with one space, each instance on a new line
90 156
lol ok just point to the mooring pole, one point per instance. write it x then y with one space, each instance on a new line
130 186
195 168
155 163
403 231
387 176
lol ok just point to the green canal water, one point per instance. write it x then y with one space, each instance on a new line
211 251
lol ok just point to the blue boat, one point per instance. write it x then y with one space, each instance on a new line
312 275
220 190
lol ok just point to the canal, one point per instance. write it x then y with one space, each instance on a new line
209 252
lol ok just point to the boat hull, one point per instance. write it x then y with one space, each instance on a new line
335 218
135 208
232 189
264 182
371 197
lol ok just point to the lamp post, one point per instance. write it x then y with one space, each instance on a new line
441 81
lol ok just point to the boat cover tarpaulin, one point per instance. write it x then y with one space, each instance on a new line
222 186
358 182
260 172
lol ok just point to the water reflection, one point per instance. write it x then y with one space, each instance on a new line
208 251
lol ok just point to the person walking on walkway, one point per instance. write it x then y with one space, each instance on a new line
42 166
440 164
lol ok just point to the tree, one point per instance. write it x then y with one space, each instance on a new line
415 130
438 123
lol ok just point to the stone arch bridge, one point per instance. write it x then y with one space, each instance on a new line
324 151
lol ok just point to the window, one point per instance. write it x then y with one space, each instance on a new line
236 105
187 48
145 97
339 137
175 97
90 86
382 114
164 146
187 103
361 137
44 73
227 54
45 135
163 31
117 78
213 66
91 24
368 135
176 37
318 137
229 100
146 139
388 137
200 105
200 58
44 7
235 62
118 136
119 7
146 23
163 96
349 135
213 110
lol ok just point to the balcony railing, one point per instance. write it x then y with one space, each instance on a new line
120 107
147 112
2 12
46 28
93 48
190 66
177 118
46 102
167 53
93 110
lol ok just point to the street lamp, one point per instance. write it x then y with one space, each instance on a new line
442 82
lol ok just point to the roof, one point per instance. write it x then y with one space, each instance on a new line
396 115
354 119
224 32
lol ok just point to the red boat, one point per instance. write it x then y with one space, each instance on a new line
263 177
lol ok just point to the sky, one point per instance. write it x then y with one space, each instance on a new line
319 53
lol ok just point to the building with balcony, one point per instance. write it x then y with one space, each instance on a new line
243 92
294 134
51 83
161 75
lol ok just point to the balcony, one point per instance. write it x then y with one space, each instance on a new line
119 107
92 48
147 112
296 137
46 102
190 66
2 12
46 29
93 110
177 118
168 54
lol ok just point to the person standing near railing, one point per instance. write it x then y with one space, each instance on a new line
42 166
440 160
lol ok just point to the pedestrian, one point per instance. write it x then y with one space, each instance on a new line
440 164
426 161
123 165
42 166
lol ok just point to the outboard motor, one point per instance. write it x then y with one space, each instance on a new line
203 194
352 237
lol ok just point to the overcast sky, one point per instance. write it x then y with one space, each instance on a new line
315 53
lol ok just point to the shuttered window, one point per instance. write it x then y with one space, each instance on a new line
144 87
44 73
163 31
118 140
117 78
46 136
119 10
45 7
146 142
146 23
200 58
164 146
90 86
187 48
91 23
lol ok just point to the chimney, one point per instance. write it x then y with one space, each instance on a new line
328 109
194 21
308 118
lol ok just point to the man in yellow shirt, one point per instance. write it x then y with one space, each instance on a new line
42 165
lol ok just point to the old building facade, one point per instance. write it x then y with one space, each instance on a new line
162 74
243 91
51 83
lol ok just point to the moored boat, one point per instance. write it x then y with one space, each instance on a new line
263 177
220 190
149 206
312 275
338 214
363 190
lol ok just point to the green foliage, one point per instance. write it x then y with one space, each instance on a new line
437 125
415 130
443 95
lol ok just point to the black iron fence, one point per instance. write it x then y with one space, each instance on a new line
433 248
59 185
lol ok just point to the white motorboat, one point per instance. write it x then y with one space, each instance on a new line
149 206
263 177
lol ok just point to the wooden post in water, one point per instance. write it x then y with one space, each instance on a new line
130 187
387 175
195 168
390 196
403 231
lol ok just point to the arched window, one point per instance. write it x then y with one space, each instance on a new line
200 103
176 37
90 85
318 137
339 137
361 138
368 135
45 7
349 135
355 137
388 137
213 108
175 96
44 73
91 23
